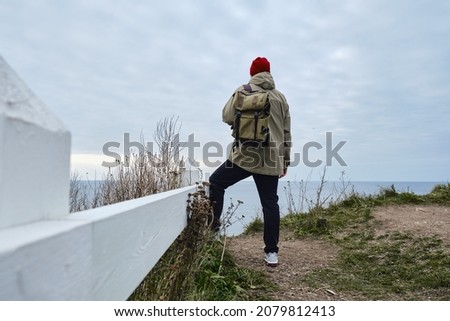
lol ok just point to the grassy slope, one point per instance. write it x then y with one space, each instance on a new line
393 266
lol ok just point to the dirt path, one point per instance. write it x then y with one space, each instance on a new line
298 257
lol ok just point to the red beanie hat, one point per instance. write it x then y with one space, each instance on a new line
260 64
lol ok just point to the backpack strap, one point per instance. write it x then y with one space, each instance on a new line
237 123
247 87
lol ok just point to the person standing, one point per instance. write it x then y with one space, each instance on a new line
266 164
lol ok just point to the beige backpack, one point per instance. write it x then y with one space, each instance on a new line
252 114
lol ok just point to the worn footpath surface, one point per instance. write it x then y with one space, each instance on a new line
297 257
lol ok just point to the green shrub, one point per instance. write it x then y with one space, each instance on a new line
440 194
255 226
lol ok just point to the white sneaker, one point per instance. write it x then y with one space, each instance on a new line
271 258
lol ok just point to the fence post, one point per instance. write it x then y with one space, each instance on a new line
34 156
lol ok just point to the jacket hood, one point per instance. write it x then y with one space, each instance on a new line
263 80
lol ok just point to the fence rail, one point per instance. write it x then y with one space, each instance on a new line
47 254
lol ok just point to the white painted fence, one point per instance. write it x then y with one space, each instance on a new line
47 254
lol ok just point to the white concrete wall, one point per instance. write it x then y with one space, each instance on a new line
34 156
99 254
47 254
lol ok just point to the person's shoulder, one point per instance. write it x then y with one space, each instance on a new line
240 88
278 94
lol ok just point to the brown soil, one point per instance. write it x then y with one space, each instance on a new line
297 257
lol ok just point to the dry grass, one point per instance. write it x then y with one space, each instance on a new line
138 175
198 267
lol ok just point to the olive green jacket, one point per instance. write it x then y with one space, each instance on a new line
273 159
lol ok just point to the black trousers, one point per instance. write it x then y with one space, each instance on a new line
228 174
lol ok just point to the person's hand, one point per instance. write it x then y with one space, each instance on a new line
283 174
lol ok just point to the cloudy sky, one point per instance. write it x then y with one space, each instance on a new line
374 73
